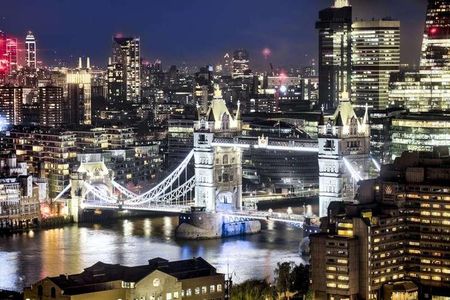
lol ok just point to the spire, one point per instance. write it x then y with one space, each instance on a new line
88 63
322 118
238 111
80 63
341 3
366 115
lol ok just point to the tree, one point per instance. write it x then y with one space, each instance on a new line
291 280
252 290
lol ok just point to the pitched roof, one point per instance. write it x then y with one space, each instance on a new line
94 277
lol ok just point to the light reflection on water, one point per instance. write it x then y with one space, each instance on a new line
27 257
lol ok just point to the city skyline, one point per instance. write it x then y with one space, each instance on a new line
288 29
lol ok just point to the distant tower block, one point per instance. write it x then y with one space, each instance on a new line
341 3
218 170
343 154
30 43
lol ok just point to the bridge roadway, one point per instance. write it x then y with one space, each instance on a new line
301 145
293 219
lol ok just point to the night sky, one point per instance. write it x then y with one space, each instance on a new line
195 31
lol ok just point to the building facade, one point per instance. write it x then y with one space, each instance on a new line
335 27
343 154
31 55
79 98
11 104
396 232
124 71
159 279
375 55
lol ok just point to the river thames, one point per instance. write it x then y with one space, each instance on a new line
28 257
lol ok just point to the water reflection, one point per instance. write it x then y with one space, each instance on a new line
25 258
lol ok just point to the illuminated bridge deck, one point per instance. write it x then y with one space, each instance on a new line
268 143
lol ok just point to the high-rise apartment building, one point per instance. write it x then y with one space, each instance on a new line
49 153
335 27
11 104
124 71
241 64
31 56
51 106
375 55
395 233
78 106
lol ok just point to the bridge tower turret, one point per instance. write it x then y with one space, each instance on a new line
343 154
218 169
76 195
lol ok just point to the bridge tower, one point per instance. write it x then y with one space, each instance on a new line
76 195
218 169
343 154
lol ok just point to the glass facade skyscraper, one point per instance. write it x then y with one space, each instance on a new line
375 55
435 60
335 27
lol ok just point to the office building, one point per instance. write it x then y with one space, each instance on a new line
51 106
395 233
419 132
241 64
79 99
380 133
31 50
124 71
375 55
435 58
159 279
335 27
428 89
11 104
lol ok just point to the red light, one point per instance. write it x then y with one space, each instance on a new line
433 30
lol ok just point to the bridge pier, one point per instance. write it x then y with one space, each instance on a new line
208 225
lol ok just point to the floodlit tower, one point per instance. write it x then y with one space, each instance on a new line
30 43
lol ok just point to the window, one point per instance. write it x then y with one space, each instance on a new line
197 291
225 159
188 292
175 295
53 292
169 296
219 287
204 290
40 291
212 288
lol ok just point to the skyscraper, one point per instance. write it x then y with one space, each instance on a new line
11 53
435 59
335 26
3 56
375 55
124 71
240 63
30 43
78 106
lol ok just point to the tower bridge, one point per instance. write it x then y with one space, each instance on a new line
210 201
